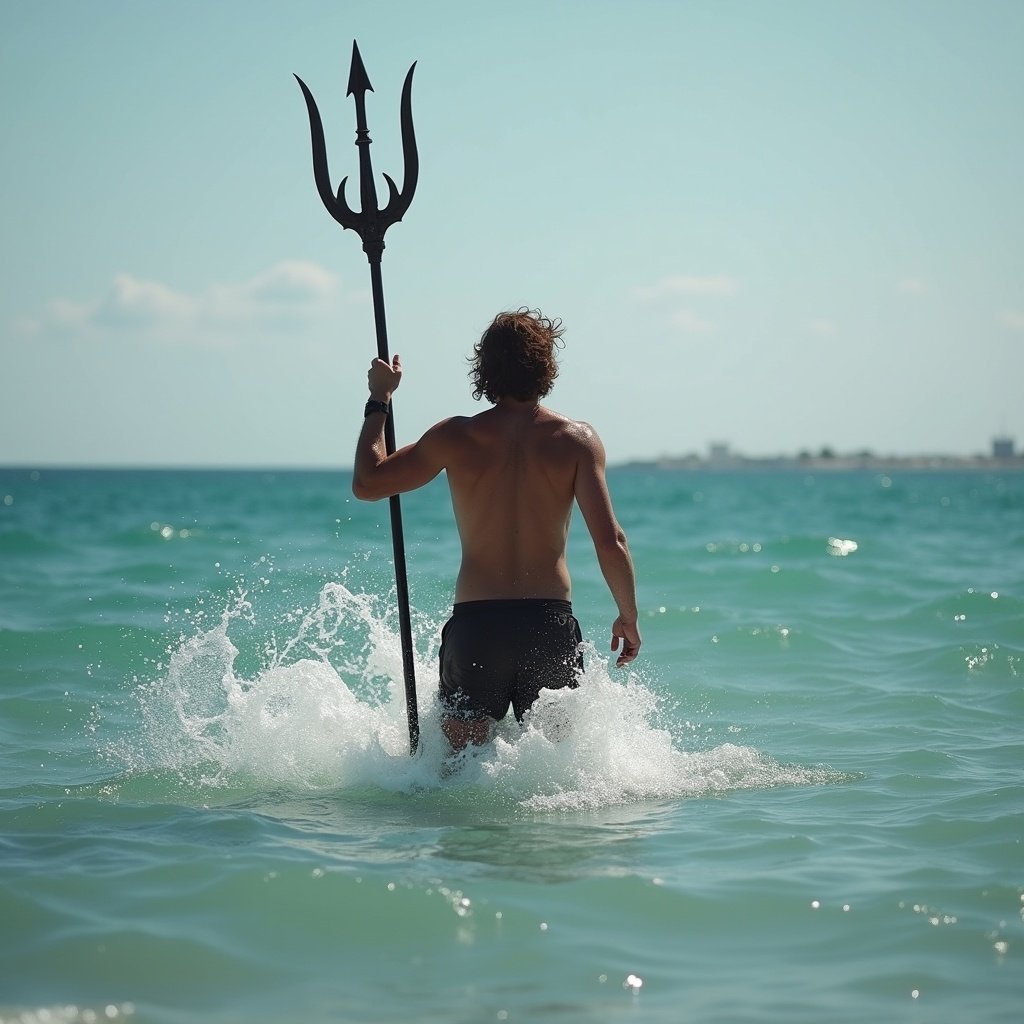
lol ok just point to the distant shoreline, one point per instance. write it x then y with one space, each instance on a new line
668 463
830 463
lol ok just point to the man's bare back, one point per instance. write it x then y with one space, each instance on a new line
514 472
511 472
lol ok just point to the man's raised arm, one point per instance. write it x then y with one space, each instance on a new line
375 474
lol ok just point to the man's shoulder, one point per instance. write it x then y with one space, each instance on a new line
454 426
452 434
575 431
451 425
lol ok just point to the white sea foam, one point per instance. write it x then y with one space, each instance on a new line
326 711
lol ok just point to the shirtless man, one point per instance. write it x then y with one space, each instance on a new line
514 471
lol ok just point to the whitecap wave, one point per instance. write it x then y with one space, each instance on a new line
326 712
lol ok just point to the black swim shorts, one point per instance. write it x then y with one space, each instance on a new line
496 653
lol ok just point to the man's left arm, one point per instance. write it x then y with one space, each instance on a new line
591 493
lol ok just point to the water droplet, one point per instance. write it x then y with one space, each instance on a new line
840 547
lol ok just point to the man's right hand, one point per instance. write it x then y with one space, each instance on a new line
383 378
629 636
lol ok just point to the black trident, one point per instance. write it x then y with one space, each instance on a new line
370 224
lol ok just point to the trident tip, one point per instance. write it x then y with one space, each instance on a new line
358 80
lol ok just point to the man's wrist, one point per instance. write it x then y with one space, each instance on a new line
374 405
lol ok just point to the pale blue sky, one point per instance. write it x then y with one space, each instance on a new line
781 225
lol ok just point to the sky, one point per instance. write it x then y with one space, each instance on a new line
776 225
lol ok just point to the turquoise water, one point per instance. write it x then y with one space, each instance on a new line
804 804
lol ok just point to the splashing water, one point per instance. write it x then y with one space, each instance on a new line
326 712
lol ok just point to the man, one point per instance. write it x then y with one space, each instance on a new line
514 472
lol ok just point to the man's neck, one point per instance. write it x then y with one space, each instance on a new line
518 406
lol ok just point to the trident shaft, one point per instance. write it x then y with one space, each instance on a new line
370 224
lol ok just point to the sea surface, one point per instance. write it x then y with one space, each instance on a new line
803 803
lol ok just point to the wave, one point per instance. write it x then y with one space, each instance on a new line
325 711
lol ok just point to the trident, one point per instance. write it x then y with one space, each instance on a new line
370 224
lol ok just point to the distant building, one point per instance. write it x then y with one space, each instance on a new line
718 453
1002 447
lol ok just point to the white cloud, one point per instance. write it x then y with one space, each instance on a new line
285 295
1012 319
686 284
131 302
688 322
289 287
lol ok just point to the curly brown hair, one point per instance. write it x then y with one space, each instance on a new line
515 356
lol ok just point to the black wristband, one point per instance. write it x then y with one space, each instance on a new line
376 405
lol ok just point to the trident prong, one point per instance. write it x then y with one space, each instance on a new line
371 222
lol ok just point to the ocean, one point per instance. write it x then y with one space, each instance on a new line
802 803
